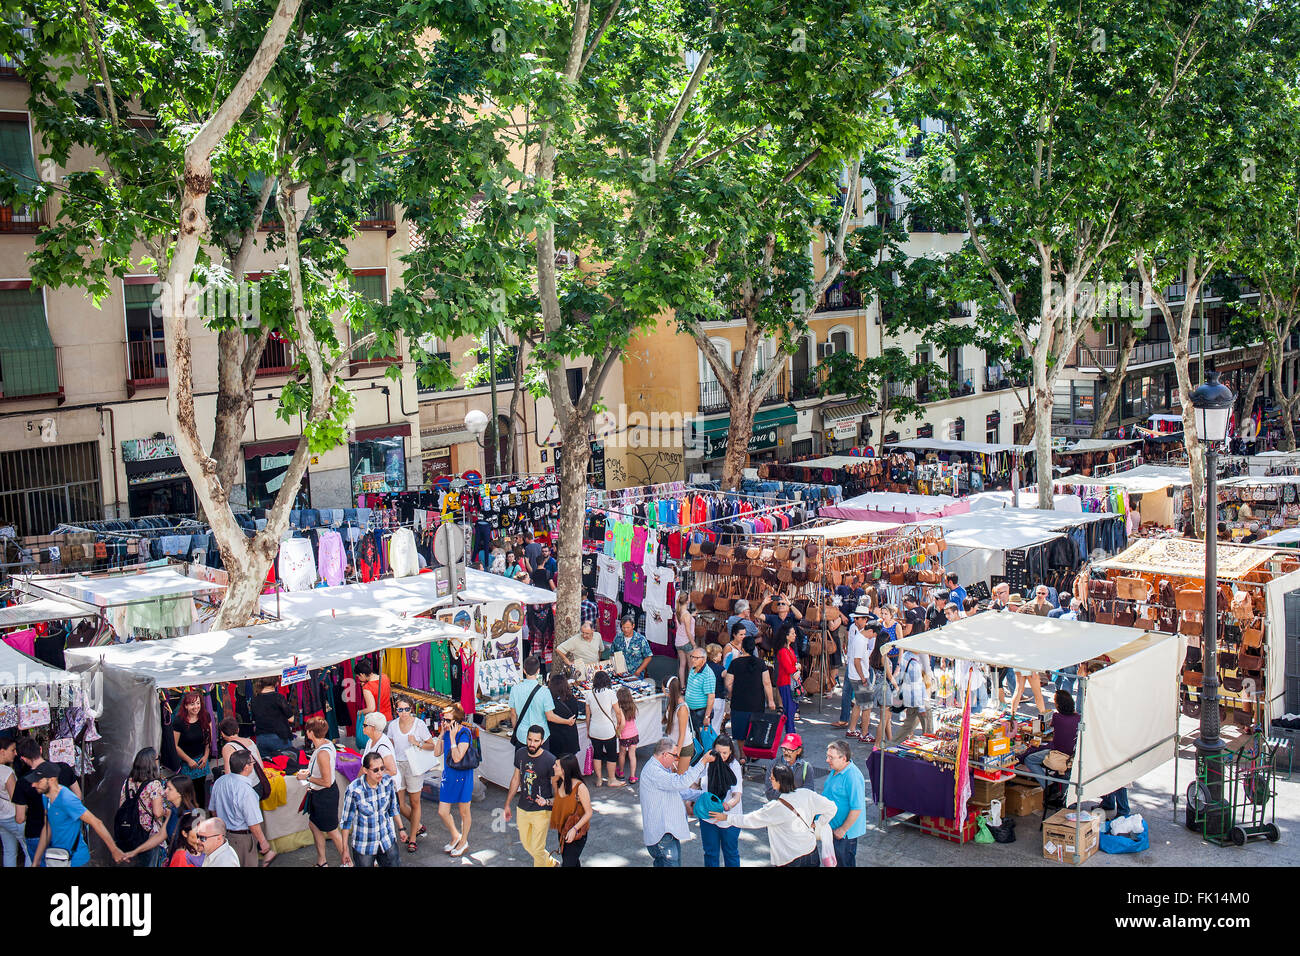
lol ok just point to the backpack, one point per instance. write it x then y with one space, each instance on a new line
128 834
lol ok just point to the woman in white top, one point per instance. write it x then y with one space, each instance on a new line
685 634
725 780
11 828
604 719
379 742
322 804
408 732
790 820
677 724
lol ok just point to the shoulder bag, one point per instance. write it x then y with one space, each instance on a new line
514 735
471 758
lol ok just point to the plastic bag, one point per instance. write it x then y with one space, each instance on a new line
982 834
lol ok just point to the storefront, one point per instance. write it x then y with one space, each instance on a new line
844 425
711 437
265 465
156 480
377 458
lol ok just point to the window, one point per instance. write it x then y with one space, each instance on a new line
576 377
371 284
1110 335
991 436
842 340
16 156
28 359
505 370
146 351
264 477
378 464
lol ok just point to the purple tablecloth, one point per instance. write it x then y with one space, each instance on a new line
913 785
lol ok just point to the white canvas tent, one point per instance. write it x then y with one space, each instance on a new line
1130 708
44 609
978 541
120 589
892 506
18 671
402 596
952 445
984 500
130 675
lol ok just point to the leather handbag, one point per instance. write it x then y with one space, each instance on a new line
1133 589
698 564
1124 616
1058 761
1252 638
724 552
706 601
1252 663
722 602
781 553
1101 589
1191 626
1193 678
1190 599
697 597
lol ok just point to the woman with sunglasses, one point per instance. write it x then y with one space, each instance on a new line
407 731
187 848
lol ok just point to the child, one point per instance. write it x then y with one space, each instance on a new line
627 734
714 651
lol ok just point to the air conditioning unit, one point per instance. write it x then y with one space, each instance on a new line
825 350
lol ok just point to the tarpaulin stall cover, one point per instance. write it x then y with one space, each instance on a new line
123 589
18 671
891 506
984 500
1186 558
411 595
129 676
1129 707
44 609
951 445
978 541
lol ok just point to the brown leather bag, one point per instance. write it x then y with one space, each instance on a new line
1252 663
781 553
698 564
1191 625
1252 638
697 597
722 602
1190 599
1133 589
1193 678
724 552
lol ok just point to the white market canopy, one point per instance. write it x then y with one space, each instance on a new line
1260 481
262 650
1184 557
978 541
1286 536
125 588
1129 707
403 596
837 530
1141 480
889 505
830 461
19 670
984 500
949 445
44 609
1084 445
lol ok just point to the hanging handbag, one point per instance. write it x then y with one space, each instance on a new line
1133 589
1252 638
33 712
1190 599
472 756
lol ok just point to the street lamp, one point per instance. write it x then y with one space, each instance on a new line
476 424
1212 403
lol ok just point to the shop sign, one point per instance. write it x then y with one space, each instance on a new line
715 443
845 429
925 431
992 419
374 482
293 675
149 449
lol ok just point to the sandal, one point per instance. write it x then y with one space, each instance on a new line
617 783
839 724
411 846
423 831
632 779
319 865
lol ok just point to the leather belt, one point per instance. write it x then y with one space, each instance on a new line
239 831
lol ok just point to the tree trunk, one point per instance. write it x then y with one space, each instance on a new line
1115 381
573 510
1043 398
1252 391
1285 395
1195 454
739 431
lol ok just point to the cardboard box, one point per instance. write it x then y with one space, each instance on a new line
998 746
1022 800
985 791
1059 837
946 829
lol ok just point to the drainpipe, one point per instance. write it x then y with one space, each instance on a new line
112 439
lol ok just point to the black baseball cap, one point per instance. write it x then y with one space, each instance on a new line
43 771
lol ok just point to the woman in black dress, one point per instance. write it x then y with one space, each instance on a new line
192 732
563 720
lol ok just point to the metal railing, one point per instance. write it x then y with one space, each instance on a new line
430 389
278 358
713 399
960 310
146 362
998 376
31 373
839 297
22 219
1145 353
377 215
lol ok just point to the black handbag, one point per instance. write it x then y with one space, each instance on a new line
472 756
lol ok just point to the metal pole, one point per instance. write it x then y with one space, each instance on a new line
496 421
1210 744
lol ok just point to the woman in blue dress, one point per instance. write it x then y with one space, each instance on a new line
457 786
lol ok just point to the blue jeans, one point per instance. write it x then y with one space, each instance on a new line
1117 801
32 844
1035 764
11 838
667 852
740 721
846 851
389 857
727 838
1070 682
272 744
787 705
846 699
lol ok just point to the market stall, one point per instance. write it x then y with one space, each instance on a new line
1026 546
146 605
985 500
1128 701
890 506
961 466
1259 504
1155 492
1162 582
133 676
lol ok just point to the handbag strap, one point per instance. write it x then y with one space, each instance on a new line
528 703
791 808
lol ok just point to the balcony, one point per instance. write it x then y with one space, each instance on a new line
31 373
21 220
998 377
378 216
8 67
890 212
1146 353
713 400
146 365
960 310
840 298
278 358
433 390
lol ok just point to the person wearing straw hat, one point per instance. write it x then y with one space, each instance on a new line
857 676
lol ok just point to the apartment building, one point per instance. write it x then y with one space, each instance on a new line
84 429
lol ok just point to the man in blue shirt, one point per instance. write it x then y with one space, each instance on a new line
64 815
530 702
956 593
742 615
846 788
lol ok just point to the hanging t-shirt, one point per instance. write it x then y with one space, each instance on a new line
623 541
332 561
402 555
656 589
606 619
633 584
608 570
440 669
656 626
610 527
297 564
589 573
638 546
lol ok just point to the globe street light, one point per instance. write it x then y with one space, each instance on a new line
1212 403
476 424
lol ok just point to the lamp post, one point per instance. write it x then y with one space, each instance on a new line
1212 403
476 424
